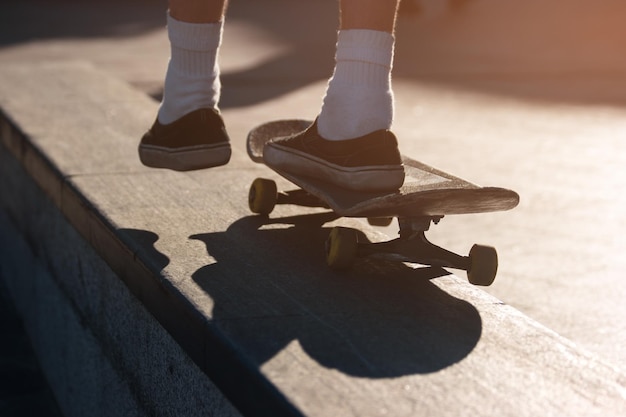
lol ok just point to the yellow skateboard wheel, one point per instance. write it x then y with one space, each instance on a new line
262 196
483 265
341 248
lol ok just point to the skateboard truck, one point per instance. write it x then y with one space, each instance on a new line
343 247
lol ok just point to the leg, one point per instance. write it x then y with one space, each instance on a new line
189 132
359 98
198 11
192 80
377 15
350 144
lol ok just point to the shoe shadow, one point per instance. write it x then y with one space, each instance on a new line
271 287
141 243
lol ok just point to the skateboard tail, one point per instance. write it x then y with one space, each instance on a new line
260 135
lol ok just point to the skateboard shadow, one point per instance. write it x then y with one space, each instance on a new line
379 320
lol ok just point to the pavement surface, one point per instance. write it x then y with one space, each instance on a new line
529 96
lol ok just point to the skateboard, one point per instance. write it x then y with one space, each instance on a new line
427 195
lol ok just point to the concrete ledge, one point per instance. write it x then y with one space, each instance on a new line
238 303
101 351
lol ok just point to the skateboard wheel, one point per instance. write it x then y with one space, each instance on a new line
341 248
262 196
483 265
380 221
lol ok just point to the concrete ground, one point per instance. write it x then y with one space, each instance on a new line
528 96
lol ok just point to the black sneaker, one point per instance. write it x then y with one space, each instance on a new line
195 141
367 163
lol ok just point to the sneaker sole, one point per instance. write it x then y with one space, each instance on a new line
365 178
187 159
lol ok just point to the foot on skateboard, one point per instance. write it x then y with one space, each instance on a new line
368 163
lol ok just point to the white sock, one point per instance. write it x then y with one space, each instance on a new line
192 81
359 98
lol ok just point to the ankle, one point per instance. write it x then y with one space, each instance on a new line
359 98
192 80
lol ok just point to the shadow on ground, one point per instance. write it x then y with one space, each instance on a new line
36 20
380 320
24 390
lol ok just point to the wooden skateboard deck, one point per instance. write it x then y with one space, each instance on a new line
426 192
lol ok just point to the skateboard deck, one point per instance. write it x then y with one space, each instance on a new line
426 192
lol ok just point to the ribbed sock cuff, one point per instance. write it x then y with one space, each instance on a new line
194 36
364 57
363 45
